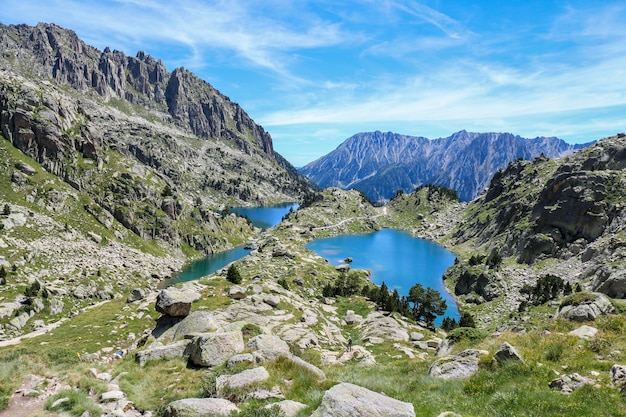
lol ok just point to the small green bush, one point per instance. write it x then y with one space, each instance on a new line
466 333
554 352
283 283
61 354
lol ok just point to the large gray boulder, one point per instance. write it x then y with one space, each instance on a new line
226 383
589 310
507 353
348 400
196 322
266 342
566 384
385 327
462 365
172 350
200 407
174 302
212 349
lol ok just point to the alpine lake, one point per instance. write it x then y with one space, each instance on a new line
392 256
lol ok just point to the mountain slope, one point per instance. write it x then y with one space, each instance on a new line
380 163
157 151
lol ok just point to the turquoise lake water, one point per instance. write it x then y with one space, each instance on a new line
391 255
262 217
265 217
395 257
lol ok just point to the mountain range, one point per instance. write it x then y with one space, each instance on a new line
380 163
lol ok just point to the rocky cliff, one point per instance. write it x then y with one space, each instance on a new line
157 151
380 163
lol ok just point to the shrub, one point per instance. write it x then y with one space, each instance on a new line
77 403
6 210
283 283
61 354
233 275
471 334
554 352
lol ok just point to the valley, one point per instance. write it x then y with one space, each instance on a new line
116 173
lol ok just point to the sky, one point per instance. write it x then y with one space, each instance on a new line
313 73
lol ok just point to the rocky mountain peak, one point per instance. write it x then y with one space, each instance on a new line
379 163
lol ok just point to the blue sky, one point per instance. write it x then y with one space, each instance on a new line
314 73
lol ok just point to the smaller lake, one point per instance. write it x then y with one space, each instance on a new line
265 217
395 257
262 217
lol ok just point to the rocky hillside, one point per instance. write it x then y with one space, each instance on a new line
546 217
380 163
156 151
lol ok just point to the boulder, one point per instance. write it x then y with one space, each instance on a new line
212 349
417 336
584 332
589 310
25 168
174 302
288 408
196 322
385 327
352 318
245 358
568 383
462 365
236 292
506 353
271 300
172 350
266 342
225 383
618 375
136 295
349 400
200 407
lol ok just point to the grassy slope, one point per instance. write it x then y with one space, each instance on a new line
512 390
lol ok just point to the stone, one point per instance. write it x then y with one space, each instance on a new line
462 365
112 396
172 350
349 400
25 168
213 349
224 383
588 310
174 302
434 343
200 407
272 300
236 292
56 306
568 383
584 332
245 358
96 238
136 295
386 327
196 322
416 336
449 414
289 408
352 318
618 375
265 342
507 353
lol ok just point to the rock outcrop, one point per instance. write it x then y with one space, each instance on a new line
349 400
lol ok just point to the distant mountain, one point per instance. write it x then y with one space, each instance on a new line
380 163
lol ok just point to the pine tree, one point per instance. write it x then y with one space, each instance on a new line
233 275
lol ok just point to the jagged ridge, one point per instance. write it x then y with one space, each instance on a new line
380 163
